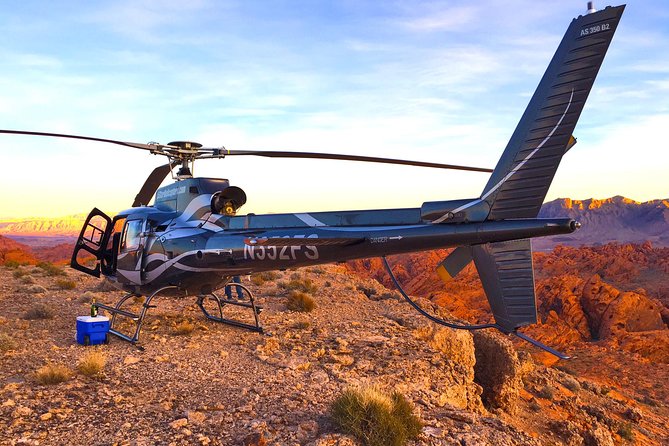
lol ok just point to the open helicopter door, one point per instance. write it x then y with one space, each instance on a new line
93 240
129 260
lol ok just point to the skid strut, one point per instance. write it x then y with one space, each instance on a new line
138 319
220 303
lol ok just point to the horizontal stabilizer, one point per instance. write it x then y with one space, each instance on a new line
507 275
281 241
456 261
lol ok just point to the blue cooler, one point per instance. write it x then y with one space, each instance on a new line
92 330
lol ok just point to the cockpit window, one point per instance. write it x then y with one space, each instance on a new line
133 229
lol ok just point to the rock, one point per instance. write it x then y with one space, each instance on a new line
633 414
129 360
598 436
255 439
498 371
456 362
195 417
334 440
179 423
612 313
46 416
22 411
567 431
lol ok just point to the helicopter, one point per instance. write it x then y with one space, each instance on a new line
192 240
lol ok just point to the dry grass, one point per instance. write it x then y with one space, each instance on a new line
375 418
546 392
92 363
298 301
53 374
7 343
183 328
27 279
296 284
39 311
50 269
65 284
19 273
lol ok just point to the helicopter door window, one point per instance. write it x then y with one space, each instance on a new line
131 235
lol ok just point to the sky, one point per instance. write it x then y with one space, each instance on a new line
441 81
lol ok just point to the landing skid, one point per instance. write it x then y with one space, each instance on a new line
222 302
138 318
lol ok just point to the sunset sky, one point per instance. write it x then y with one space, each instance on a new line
442 81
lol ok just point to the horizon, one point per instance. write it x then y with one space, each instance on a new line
443 81
10 219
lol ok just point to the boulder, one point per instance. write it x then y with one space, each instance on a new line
612 313
498 370
455 385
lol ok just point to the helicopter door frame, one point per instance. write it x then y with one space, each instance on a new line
93 239
129 264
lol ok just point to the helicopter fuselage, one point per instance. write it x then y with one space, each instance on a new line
187 245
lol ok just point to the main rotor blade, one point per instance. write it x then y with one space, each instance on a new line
336 156
151 147
151 185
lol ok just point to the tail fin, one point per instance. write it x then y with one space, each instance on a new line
520 181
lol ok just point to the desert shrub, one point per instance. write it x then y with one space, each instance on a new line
374 418
34 289
257 279
39 311
92 363
301 325
317 270
546 392
535 406
12 264
571 384
387 296
299 301
269 275
304 285
183 328
28 279
19 273
327 284
65 284
53 374
7 343
50 269
604 390
625 431
367 291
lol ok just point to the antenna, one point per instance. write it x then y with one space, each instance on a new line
591 7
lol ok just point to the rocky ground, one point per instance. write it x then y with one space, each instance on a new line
221 385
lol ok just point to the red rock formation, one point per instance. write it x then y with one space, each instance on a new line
11 251
612 313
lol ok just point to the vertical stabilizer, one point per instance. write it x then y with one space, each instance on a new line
521 179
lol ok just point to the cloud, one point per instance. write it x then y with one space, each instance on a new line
448 19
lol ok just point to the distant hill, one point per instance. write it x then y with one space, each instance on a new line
616 219
58 226
11 251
